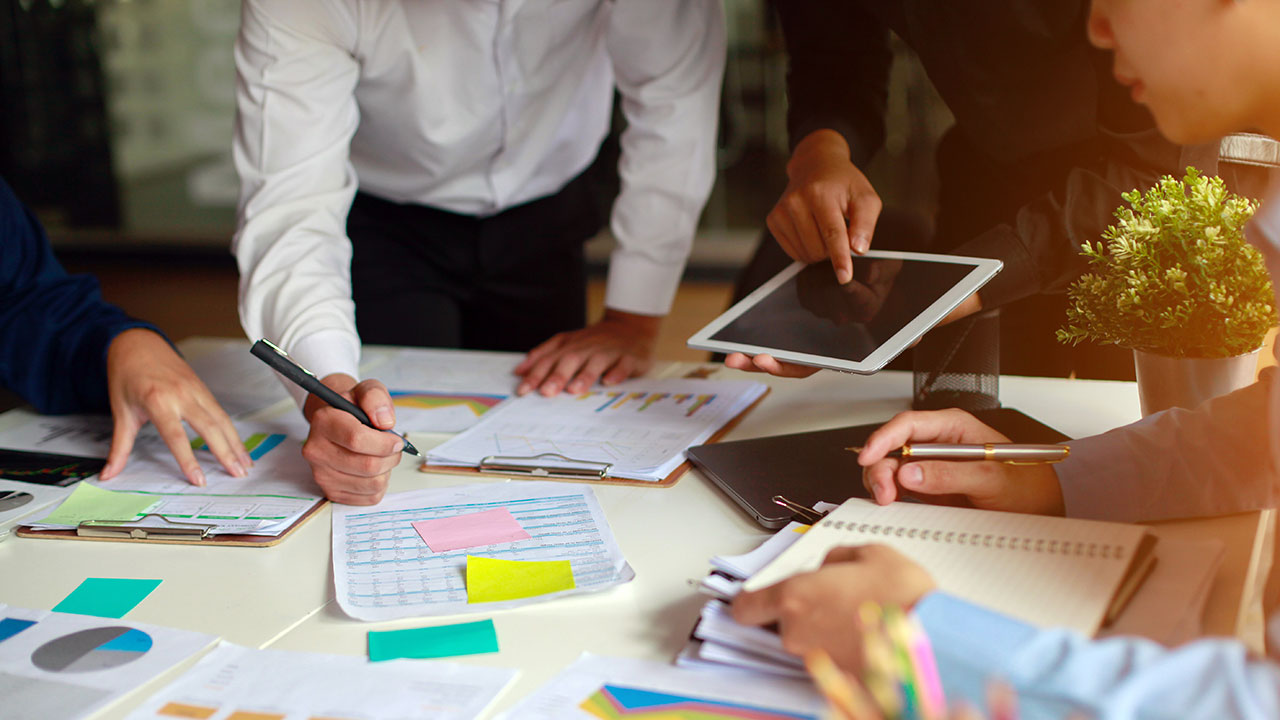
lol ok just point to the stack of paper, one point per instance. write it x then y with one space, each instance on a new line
719 642
239 682
433 552
278 490
638 429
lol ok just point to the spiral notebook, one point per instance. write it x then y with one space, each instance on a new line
1047 571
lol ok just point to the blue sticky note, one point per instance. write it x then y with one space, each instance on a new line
433 642
106 597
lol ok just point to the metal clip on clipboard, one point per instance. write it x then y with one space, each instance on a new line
799 513
173 531
529 465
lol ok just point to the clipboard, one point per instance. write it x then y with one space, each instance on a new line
535 467
176 533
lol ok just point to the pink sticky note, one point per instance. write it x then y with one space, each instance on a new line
466 531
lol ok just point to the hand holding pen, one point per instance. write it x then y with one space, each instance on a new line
351 447
929 469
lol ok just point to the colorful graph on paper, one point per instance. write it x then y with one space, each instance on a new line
258 444
441 411
640 428
616 701
614 400
477 403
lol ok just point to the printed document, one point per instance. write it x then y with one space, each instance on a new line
384 570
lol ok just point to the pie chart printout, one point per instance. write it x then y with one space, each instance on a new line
93 649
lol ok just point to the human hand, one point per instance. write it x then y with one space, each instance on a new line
817 610
829 207
987 485
148 381
857 301
617 347
352 463
768 364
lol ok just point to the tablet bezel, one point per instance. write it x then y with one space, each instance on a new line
983 269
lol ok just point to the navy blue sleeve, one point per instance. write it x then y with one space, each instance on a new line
54 327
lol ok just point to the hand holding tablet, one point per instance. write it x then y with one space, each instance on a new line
804 317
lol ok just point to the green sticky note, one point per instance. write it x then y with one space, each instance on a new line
491 580
470 638
90 502
106 597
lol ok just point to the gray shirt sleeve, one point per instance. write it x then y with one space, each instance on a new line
1213 460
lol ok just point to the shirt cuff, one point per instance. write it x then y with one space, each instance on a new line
1018 279
324 353
640 285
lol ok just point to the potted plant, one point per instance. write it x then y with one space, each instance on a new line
1176 281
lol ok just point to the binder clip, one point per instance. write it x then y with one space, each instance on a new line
172 530
799 513
530 465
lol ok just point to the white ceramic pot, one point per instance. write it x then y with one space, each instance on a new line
1165 382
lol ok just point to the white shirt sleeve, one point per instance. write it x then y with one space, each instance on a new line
668 60
1213 460
295 115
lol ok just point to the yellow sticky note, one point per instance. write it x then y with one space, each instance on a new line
492 580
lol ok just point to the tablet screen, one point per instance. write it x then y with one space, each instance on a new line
811 313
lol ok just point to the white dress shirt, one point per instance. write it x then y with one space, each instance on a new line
471 106
1221 457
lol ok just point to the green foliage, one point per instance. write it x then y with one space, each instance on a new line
1176 276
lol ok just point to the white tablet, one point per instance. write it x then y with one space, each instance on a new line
802 315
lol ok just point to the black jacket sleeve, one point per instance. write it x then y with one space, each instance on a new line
837 72
54 327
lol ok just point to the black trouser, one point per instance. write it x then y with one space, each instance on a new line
426 277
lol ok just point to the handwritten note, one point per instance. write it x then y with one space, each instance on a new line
490 527
89 502
492 580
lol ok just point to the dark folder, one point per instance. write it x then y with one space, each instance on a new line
814 466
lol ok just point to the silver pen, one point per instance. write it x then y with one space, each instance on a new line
1010 453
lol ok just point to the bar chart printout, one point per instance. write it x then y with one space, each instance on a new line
639 428
384 570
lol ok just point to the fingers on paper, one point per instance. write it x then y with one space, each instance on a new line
539 364
169 425
538 353
124 431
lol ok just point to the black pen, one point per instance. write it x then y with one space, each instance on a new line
279 361
1010 453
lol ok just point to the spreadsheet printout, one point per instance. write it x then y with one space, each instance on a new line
383 570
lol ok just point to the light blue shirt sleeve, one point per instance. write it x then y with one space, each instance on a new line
1057 672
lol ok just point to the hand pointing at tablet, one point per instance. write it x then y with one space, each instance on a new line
803 319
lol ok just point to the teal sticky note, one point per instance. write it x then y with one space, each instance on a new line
470 638
106 597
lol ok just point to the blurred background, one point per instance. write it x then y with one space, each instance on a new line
117 128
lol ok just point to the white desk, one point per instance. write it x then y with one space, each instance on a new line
283 597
